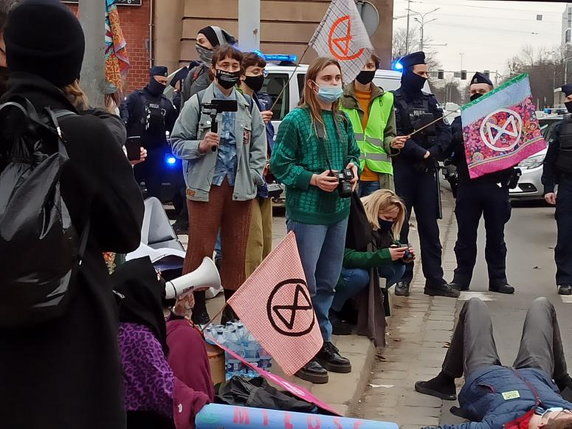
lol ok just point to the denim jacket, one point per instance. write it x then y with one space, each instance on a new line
494 396
198 168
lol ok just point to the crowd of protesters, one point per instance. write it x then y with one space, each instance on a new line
122 354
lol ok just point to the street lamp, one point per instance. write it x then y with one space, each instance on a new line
420 18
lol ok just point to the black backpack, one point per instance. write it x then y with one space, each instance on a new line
40 251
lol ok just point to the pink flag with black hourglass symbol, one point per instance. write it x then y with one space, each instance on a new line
500 129
276 307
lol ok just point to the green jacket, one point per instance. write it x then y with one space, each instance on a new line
298 154
366 260
198 167
349 102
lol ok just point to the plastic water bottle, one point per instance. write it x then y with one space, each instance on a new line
210 333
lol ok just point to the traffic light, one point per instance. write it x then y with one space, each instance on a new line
487 73
463 74
440 74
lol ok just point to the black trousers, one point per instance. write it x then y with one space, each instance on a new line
563 251
151 171
473 201
419 192
473 344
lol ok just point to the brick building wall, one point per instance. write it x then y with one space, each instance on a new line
136 30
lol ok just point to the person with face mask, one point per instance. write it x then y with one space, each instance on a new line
486 196
260 236
371 252
415 172
314 143
370 110
222 171
208 39
558 170
149 115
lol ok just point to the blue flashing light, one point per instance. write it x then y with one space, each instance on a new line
281 58
170 160
398 66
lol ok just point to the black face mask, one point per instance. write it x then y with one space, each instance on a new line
3 79
568 105
412 83
385 225
227 79
155 88
475 96
254 82
364 77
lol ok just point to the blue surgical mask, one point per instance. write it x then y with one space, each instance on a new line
330 94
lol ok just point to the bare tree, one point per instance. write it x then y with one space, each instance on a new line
400 42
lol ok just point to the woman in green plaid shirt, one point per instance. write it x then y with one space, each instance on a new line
315 142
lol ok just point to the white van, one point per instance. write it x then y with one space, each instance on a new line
293 78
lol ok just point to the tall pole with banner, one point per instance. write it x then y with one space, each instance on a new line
92 18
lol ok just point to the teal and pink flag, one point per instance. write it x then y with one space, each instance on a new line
500 128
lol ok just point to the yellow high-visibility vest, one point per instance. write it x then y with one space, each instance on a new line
370 140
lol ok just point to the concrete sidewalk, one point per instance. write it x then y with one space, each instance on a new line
380 386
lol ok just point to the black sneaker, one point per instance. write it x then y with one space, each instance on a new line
181 228
329 357
402 288
339 326
502 288
200 317
440 387
442 290
459 286
564 289
314 373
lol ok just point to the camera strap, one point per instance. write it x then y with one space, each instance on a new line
321 134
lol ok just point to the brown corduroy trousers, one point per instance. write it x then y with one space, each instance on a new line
233 219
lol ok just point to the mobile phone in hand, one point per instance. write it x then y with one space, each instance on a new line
133 146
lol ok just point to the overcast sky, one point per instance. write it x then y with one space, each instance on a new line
487 33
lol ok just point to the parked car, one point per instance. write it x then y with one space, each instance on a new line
529 185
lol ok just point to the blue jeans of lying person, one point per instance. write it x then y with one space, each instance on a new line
355 280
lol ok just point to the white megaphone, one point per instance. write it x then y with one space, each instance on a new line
204 277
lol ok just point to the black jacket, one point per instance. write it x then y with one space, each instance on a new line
440 133
66 373
457 153
134 116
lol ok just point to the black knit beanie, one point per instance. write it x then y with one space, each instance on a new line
43 37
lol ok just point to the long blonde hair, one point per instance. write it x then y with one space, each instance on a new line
76 96
309 98
380 201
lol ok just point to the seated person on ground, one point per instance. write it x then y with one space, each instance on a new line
533 393
154 396
370 250
187 349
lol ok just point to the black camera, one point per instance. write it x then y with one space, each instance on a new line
345 177
216 106
408 257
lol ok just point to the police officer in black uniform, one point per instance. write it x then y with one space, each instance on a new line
415 171
558 170
149 114
487 196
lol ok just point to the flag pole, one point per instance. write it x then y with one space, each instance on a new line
291 76
430 123
214 317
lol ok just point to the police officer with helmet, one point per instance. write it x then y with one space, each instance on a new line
148 114
415 171
558 170
488 196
